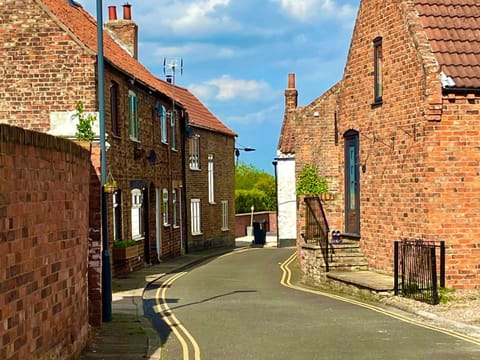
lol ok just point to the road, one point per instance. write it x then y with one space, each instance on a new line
242 306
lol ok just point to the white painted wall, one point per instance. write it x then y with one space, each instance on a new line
287 201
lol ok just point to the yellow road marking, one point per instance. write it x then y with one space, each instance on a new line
286 281
173 322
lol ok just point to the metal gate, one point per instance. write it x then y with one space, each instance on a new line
419 269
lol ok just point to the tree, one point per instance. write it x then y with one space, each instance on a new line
254 187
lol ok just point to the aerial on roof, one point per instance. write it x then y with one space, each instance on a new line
84 27
453 29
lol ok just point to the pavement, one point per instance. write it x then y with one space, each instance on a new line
130 335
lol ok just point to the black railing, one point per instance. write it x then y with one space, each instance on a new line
316 227
419 269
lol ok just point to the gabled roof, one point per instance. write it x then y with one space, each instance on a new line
453 29
84 27
286 143
198 114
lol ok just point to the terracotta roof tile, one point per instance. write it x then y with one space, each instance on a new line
286 143
453 28
84 27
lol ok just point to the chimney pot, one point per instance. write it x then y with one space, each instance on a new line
112 12
127 11
291 81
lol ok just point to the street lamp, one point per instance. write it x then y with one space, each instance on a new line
237 151
106 270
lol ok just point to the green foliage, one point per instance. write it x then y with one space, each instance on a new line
124 244
85 122
254 187
309 183
445 295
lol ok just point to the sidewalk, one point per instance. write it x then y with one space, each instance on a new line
130 335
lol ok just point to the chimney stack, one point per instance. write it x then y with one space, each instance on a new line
112 13
124 31
291 94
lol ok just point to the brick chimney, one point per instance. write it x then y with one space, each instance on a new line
291 94
124 31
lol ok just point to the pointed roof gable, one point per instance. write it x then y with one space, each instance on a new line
84 28
453 30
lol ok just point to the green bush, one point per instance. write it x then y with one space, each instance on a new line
309 183
244 199
124 244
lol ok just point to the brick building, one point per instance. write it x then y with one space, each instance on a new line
398 137
49 54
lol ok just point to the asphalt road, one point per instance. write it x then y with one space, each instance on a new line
235 307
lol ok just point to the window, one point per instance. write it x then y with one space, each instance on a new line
133 113
194 152
195 216
114 108
211 190
175 207
166 220
224 214
162 113
136 214
173 123
117 215
377 72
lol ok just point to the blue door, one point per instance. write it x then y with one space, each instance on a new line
352 184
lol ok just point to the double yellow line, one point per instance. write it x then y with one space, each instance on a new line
286 281
182 334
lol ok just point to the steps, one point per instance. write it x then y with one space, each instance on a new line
347 256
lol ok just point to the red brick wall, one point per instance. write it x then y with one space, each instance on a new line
453 176
43 245
34 83
243 220
222 147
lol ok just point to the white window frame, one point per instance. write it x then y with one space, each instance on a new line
165 212
163 124
194 149
134 125
173 124
196 219
225 215
117 206
211 176
136 214
175 207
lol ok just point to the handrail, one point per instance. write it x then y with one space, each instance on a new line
317 228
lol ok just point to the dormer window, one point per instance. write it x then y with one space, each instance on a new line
378 71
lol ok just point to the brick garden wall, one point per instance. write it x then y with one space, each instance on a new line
44 193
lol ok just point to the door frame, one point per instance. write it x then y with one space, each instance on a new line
352 138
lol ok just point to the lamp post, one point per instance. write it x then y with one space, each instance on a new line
106 271
237 152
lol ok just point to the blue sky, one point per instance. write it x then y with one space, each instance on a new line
237 55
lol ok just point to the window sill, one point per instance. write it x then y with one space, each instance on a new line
195 169
138 238
225 229
176 226
197 234
212 203
166 225
377 103
135 140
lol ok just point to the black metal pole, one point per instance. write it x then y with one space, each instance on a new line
106 270
395 267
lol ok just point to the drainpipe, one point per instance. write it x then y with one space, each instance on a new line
106 270
275 163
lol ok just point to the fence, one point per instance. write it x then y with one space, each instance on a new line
316 227
419 269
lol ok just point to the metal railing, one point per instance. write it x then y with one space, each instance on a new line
316 227
419 269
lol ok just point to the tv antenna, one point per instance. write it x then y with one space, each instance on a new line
170 68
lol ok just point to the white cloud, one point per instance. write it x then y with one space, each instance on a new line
306 10
226 88
258 117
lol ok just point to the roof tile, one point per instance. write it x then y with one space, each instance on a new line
453 28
